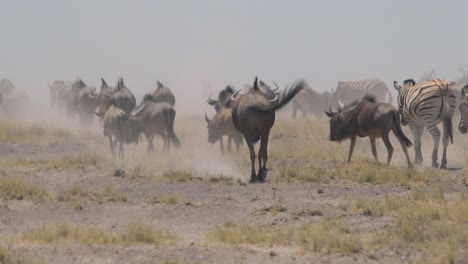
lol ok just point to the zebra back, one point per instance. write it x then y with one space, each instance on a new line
427 103
349 91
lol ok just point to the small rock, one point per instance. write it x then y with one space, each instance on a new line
273 254
320 191
118 172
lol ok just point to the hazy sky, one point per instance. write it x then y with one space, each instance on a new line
187 44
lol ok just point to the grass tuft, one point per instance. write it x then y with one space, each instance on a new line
16 189
12 133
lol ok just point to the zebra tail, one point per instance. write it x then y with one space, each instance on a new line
447 118
398 132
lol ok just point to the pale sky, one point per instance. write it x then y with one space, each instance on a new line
187 44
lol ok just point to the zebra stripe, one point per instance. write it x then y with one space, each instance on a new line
463 126
349 91
309 101
424 105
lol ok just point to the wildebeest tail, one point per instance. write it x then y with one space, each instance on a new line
285 97
169 117
398 132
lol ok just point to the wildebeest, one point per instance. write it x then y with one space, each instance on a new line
163 94
156 119
85 100
222 125
309 101
119 125
120 96
253 114
60 94
12 100
368 118
224 99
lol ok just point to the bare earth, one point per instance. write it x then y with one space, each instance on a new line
191 191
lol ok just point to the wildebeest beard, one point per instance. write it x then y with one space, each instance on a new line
340 128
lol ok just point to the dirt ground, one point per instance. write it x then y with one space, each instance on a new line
191 191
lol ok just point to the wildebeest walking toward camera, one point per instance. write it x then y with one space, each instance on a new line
368 118
463 125
85 101
424 105
253 114
119 125
120 96
222 125
156 119
163 94
224 99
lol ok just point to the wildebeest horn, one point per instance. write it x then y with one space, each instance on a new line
233 96
211 101
274 99
255 86
277 87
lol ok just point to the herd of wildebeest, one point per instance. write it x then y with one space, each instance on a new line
361 108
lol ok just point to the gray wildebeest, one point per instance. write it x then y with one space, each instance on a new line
253 114
118 124
156 119
222 125
60 94
368 118
224 99
85 101
120 96
163 94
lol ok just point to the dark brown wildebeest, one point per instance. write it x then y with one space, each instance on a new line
253 114
163 94
156 119
120 96
368 118
224 99
222 125
119 125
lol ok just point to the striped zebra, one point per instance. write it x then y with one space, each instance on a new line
424 105
463 126
350 91
309 101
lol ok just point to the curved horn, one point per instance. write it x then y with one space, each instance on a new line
277 87
211 101
233 96
339 108
274 99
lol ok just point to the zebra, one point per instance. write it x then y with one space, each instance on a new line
350 91
424 105
463 125
309 101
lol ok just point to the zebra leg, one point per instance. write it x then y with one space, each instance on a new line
417 134
374 149
445 142
434 131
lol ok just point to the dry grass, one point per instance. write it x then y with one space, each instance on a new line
66 162
32 134
17 189
171 200
136 233
325 236
78 194
10 256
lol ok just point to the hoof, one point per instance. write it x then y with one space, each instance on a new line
253 180
262 174
443 166
435 164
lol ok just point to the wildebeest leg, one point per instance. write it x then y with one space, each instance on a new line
150 143
121 150
389 146
434 131
351 148
263 155
405 149
374 149
417 134
221 145
111 145
229 144
253 176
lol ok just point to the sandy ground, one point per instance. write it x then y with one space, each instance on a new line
201 205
